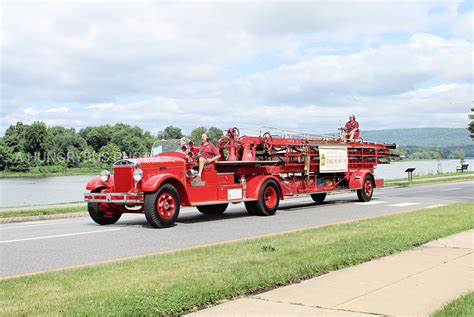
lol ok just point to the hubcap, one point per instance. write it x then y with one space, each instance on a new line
368 187
165 206
270 197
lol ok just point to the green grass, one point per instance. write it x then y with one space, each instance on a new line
460 307
430 179
429 176
188 279
42 211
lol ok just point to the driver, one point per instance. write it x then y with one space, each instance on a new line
209 153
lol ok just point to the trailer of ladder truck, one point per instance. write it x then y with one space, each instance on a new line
258 169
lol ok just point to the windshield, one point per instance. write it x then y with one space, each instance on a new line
169 146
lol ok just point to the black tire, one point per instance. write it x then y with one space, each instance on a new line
251 207
365 193
319 198
165 217
262 208
212 209
98 216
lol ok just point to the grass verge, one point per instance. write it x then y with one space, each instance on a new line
42 211
188 279
430 179
460 307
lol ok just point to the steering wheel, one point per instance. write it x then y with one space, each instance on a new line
267 141
236 132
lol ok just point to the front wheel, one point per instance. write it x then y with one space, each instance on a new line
212 209
101 213
365 193
162 206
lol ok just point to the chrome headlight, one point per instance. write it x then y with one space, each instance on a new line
137 174
104 175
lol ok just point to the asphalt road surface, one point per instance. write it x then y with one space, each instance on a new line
53 244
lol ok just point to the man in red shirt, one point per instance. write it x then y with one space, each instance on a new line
209 153
352 128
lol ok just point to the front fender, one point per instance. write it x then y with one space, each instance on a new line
154 182
95 183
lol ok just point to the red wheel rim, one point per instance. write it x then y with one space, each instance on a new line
368 187
270 197
165 206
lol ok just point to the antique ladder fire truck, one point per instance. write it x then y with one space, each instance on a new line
258 170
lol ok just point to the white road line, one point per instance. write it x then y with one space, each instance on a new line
60 235
372 202
450 189
435 206
403 204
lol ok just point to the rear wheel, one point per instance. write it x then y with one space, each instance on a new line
268 199
212 209
162 206
319 198
365 193
101 213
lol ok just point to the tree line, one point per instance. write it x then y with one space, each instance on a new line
24 147
37 147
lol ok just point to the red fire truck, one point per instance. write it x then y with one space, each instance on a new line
258 169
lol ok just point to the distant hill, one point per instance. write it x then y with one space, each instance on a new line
425 137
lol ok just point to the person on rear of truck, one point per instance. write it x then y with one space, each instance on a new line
352 128
208 153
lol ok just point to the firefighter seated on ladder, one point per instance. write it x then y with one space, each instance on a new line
209 153
351 129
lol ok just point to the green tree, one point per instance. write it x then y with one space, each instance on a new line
89 158
471 123
73 157
170 133
36 137
214 134
20 162
6 155
15 137
97 137
110 153
457 154
195 135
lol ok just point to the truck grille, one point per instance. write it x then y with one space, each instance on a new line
123 178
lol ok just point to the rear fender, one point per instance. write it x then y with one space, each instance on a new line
255 183
96 182
153 183
356 178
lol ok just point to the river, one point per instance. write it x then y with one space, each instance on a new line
61 189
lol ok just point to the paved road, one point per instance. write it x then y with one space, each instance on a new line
45 245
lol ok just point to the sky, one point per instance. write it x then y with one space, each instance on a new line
302 66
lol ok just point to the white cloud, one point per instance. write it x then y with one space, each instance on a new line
301 65
62 109
30 111
385 70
